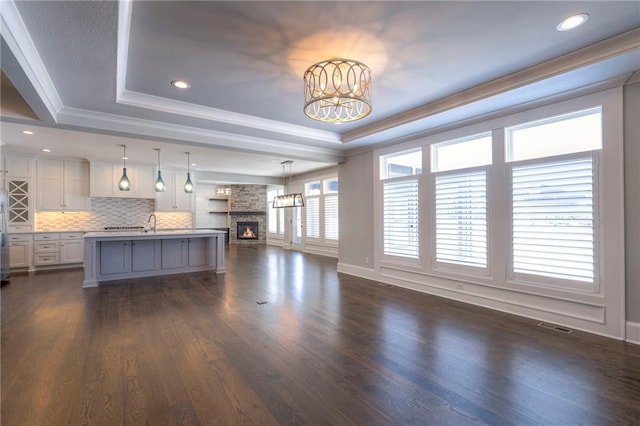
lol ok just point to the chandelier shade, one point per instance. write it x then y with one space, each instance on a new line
337 91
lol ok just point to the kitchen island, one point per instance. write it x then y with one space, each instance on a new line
133 254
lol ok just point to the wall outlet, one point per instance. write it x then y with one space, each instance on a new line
460 286
366 260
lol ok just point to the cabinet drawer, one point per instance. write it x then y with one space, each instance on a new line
20 237
47 247
49 236
46 259
20 228
71 235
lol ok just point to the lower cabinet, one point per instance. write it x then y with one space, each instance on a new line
145 255
198 252
20 250
58 248
107 258
175 253
115 257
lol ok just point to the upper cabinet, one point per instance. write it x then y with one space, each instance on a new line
174 199
19 167
62 185
105 177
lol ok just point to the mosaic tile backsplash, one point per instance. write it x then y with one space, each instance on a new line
111 212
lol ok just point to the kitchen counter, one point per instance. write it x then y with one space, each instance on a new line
136 253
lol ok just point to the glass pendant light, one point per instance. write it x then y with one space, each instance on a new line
160 186
188 185
124 184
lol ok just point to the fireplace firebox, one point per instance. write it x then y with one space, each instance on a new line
247 231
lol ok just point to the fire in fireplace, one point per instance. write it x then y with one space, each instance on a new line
247 230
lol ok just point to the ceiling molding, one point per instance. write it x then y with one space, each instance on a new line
156 103
600 51
155 130
17 38
206 177
600 86
124 31
172 106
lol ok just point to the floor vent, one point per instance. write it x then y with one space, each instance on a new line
555 327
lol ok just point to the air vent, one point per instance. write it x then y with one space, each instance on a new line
555 327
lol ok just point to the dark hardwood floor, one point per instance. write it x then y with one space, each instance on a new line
325 349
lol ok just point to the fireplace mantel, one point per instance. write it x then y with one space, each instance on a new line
248 213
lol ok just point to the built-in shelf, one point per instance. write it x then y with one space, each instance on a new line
218 212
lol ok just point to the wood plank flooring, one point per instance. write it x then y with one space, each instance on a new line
326 348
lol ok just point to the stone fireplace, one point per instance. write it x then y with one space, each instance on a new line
248 209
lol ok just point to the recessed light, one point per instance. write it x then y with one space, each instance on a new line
27 132
180 84
46 150
572 22
193 164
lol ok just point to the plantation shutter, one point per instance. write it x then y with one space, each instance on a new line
313 217
553 214
331 217
461 218
401 218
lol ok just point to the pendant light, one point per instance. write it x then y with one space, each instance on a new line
160 186
287 200
124 184
188 185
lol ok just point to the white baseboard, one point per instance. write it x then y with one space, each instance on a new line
357 271
633 332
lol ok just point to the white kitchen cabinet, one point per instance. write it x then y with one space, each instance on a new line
20 249
62 185
115 257
19 167
145 255
16 174
198 252
174 253
106 175
71 247
174 199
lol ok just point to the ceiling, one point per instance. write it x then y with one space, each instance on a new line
104 68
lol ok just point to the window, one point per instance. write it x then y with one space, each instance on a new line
401 164
552 199
276 216
313 217
401 203
460 207
576 132
321 210
331 216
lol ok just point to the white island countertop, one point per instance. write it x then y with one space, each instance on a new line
139 253
146 234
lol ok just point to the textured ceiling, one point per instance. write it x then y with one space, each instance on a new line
245 61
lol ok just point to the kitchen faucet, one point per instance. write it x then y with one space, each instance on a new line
154 222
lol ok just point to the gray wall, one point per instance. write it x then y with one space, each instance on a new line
632 198
356 210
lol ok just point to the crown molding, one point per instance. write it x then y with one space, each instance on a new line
172 106
589 55
148 129
17 38
125 8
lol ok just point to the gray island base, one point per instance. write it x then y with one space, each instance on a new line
112 256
